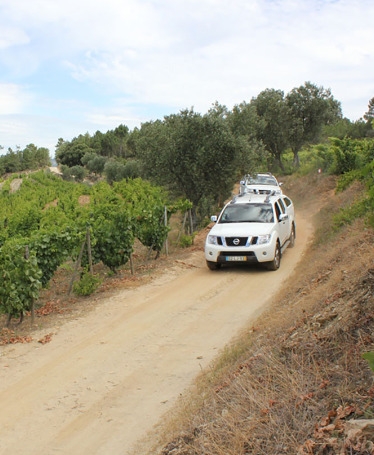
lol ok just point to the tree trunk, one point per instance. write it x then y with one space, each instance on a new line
279 162
296 158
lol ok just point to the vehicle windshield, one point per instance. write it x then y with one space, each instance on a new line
261 180
248 213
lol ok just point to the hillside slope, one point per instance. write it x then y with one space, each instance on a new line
295 381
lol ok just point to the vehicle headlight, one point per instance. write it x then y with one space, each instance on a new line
212 239
263 239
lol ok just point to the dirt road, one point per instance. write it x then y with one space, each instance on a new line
104 380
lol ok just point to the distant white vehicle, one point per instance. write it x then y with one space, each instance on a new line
252 228
264 183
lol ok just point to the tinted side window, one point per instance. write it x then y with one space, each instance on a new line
277 210
282 206
287 201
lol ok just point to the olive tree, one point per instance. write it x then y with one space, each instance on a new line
195 155
309 109
273 129
245 124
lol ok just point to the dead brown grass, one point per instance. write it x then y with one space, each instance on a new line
289 384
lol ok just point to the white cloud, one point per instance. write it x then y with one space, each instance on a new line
12 36
174 54
13 99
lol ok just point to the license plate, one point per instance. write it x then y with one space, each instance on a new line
236 258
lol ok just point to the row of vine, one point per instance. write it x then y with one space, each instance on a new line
44 223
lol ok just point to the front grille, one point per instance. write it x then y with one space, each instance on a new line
239 241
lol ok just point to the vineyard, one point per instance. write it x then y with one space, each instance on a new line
46 221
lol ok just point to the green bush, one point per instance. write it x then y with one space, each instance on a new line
346 179
87 284
186 240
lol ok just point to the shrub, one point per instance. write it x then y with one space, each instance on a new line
87 284
186 240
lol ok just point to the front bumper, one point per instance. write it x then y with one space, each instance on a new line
257 253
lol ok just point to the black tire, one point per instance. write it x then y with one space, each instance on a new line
213 265
275 263
292 237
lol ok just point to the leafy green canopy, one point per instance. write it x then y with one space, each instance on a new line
30 158
50 218
20 279
195 156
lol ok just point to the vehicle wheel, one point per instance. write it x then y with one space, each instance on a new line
292 237
213 265
275 263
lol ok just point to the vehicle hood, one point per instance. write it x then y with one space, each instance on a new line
241 229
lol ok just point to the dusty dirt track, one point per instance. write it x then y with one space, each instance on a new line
104 380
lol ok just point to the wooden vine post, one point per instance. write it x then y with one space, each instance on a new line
87 241
166 223
32 306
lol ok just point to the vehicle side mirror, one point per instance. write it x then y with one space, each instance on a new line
213 218
280 183
283 216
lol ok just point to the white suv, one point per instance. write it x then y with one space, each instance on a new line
252 228
260 184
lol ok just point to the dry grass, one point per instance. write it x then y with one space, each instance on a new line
288 384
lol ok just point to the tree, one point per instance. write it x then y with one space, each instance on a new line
273 129
245 124
195 155
205 156
42 157
78 173
114 171
345 128
309 109
369 115
28 155
218 110
34 157
94 163
71 153
132 169
13 161
108 144
121 133
154 144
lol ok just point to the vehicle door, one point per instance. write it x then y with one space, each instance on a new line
283 221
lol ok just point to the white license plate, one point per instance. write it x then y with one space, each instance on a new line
236 258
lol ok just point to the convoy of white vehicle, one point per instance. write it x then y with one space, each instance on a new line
256 226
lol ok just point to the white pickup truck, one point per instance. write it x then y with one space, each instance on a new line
252 228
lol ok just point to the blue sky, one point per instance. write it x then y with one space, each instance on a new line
68 67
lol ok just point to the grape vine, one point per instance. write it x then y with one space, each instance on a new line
49 218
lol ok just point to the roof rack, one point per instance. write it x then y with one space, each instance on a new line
267 199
